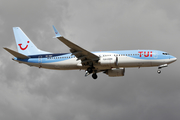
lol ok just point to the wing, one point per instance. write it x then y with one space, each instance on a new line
86 57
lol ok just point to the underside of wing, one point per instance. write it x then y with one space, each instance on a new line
86 57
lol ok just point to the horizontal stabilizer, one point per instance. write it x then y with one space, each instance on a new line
16 54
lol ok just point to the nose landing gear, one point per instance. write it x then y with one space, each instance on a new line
158 71
161 66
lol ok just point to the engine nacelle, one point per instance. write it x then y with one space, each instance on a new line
108 61
115 72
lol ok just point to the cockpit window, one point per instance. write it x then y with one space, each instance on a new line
165 53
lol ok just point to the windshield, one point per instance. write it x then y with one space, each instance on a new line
165 53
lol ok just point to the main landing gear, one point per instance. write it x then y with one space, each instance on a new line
94 76
89 71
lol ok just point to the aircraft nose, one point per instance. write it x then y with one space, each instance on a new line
173 59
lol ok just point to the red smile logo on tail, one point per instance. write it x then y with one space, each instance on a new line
21 46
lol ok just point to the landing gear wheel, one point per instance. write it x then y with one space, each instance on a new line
89 70
94 76
158 71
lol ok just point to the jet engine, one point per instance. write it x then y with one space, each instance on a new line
115 72
111 61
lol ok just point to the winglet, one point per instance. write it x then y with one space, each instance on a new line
56 32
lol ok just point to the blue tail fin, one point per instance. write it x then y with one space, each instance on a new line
24 44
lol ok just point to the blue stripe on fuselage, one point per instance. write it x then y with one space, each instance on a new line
47 55
47 58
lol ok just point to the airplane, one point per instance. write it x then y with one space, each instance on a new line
112 63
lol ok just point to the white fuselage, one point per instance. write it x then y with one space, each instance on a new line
108 60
